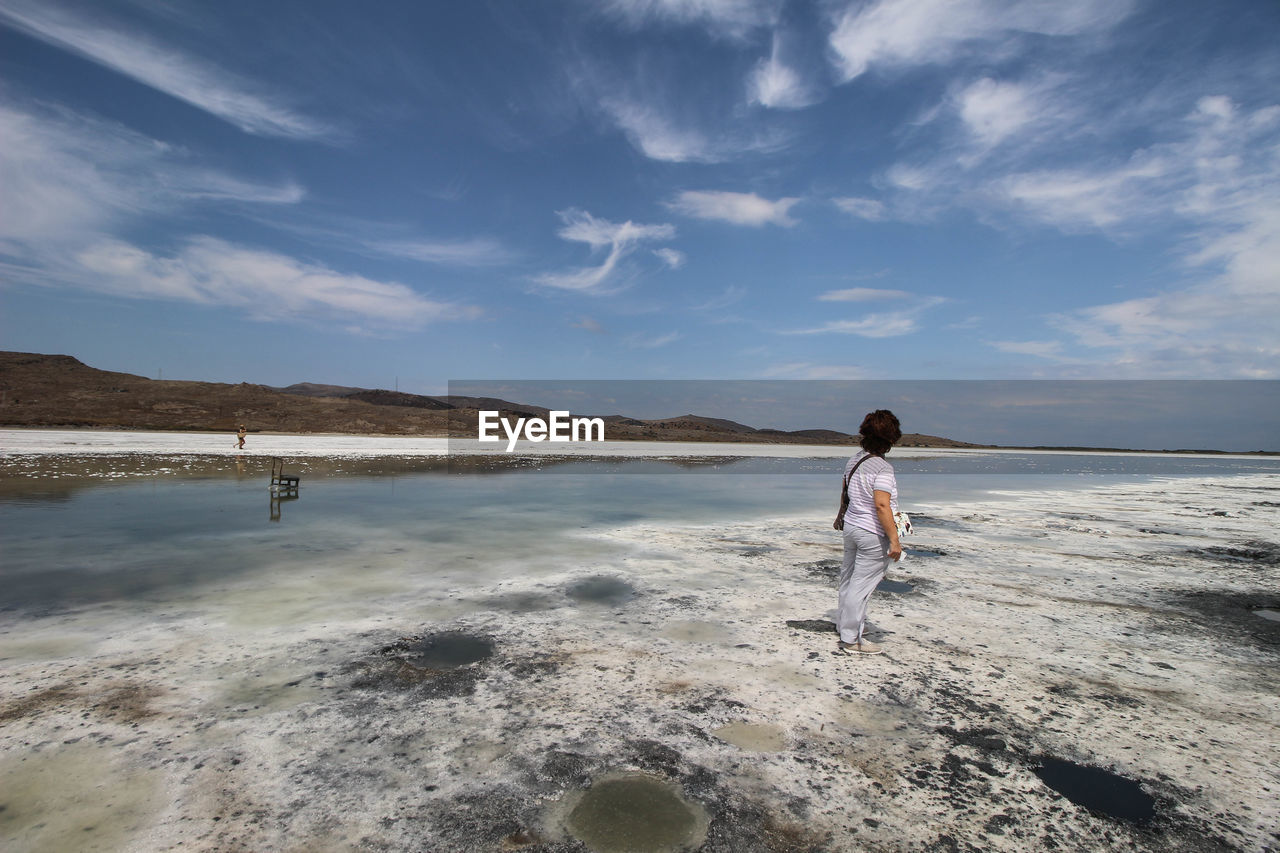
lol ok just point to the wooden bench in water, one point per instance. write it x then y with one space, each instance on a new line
280 481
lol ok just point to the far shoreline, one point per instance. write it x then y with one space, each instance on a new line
788 448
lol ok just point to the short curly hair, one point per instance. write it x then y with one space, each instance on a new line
880 430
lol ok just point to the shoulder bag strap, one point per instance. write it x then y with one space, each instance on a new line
844 490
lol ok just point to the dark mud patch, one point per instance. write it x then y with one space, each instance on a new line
447 663
983 739
824 570
446 650
1229 616
895 587
920 519
601 589
1255 552
817 626
924 553
1100 791
748 549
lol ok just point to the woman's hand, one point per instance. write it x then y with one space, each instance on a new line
895 550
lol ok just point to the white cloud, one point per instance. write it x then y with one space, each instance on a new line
992 111
863 208
888 324
736 208
477 252
805 370
883 324
202 85
653 133
207 184
264 285
862 294
1217 188
654 130
732 18
71 183
897 33
1040 349
621 239
66 178
672 258
1090 197
776 85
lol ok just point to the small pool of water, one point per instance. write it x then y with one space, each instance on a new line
1098 790
637 813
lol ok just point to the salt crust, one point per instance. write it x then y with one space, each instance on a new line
1054 623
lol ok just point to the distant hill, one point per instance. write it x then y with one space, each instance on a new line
59 390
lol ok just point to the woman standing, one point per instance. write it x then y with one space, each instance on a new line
870 535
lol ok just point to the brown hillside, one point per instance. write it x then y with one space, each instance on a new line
58 390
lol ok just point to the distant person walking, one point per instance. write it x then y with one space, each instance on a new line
870 534
240 435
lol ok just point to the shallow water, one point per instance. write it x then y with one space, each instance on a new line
103 529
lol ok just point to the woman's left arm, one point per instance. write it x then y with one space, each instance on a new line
884 512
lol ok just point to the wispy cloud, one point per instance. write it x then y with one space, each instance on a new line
993 110
73 184
863 208
882 324
776 85
730 18
863 294
652 341
1040 349
1217 187
672 258
264 285
889 324
476 252
655 135
899 33
621 239
205 86
805 370
67 178
662 133
735 208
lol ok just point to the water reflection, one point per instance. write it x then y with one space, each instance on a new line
279 497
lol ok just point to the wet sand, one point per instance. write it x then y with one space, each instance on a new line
693 673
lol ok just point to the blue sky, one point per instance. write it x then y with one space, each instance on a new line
404 193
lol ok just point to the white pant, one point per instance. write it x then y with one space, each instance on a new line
866 558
